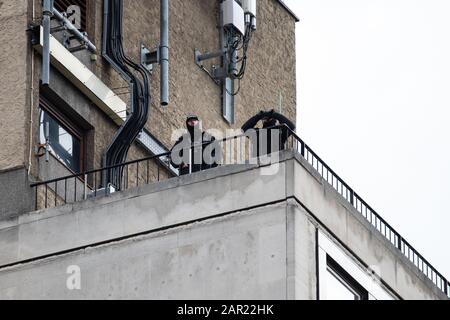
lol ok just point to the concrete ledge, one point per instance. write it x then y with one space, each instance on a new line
156 206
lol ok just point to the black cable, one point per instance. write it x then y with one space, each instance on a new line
237 43
117 151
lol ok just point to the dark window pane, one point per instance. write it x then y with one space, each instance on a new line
63 145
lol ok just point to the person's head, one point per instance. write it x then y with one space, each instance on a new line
192 121
193 125
269 122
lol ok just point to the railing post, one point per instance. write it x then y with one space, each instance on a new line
302 149
36 198
137 174
399 242
148 171
56 194
46 195
85 187
352 197
446 287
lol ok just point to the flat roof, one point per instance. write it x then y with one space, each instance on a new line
285 6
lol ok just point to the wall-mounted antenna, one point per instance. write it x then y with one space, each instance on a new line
238 22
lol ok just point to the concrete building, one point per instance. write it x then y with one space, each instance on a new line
278 227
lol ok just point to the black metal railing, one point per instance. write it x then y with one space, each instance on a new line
370 214
93 183
89 184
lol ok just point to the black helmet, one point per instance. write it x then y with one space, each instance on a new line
190 128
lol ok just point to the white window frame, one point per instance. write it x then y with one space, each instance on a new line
326 247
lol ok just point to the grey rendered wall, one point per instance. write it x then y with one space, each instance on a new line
240 256
301 248
13 196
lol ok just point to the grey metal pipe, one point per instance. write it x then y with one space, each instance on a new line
105 25
210 55
72 29
47 7
164 51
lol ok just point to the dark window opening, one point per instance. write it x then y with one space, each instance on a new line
64 5
66 141
341 285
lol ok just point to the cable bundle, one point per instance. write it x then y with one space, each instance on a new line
244 41
236 43
113 51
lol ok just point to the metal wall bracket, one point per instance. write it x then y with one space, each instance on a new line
218 73
199 57
148 58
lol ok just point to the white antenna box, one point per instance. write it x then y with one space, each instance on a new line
233 16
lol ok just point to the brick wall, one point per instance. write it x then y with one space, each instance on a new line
13 83
193 24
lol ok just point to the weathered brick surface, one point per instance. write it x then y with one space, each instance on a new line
15 8
193 24
13 83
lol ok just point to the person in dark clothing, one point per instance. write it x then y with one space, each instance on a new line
187 154
272 125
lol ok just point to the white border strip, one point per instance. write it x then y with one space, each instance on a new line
85 80
368 282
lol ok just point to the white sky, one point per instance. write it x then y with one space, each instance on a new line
374 99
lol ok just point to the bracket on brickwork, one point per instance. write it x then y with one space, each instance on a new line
148 58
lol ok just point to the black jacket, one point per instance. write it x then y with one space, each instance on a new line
196 149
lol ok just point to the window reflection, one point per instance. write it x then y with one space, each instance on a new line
337 289
63 145
340 285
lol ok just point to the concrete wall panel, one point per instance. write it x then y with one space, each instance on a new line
241 256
